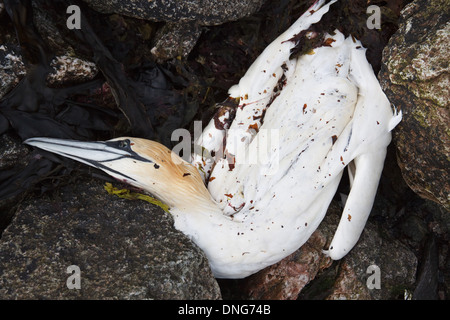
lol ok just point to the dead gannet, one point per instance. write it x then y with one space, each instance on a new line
326 110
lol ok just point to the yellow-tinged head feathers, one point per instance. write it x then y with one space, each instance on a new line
142 163
168 177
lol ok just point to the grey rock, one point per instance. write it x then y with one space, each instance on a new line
203 12
13 152
48 29
12 69
124 250
13 155
414 229
68 68
376 254
173 40
415 77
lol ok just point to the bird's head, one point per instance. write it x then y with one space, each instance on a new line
139 162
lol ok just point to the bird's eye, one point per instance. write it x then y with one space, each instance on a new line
124 144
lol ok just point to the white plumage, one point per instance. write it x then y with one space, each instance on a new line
289 147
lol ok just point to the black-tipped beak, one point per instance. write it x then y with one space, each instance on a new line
100 154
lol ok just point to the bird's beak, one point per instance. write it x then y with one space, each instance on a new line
101 154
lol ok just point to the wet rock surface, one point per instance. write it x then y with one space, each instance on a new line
124 250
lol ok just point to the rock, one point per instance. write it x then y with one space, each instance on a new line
378 267
71 69
433 274
13 152
124 250
203 12
183 18
46 25
347 285
65 68
427 286
14 155
172 41
415 77
12 69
